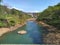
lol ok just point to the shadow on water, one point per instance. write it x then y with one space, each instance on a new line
35 32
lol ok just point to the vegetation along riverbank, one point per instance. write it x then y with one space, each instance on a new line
11 19
50 20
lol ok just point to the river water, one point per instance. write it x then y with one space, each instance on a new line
33 36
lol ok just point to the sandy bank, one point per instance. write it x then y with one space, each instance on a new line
5 30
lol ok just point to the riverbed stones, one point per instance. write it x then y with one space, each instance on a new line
52 38
58 35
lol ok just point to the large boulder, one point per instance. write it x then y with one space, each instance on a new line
22 32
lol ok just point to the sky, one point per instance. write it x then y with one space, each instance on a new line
30 5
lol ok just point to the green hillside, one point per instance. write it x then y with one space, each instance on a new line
51 16
11 17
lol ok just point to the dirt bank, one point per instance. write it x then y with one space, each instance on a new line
5 30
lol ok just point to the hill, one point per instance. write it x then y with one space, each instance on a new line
51 16
11 17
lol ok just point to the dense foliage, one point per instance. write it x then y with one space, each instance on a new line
11 17
51 15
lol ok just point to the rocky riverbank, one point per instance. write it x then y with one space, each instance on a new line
5 30
53 34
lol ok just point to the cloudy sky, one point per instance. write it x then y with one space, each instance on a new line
30 5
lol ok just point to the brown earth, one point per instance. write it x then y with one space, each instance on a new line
5 30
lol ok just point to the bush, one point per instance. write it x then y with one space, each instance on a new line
12 23
3 24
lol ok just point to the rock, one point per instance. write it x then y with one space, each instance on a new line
58 35
51 35
50 38
22 32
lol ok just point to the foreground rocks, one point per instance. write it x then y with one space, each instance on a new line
52 36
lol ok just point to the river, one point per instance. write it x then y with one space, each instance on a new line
33 36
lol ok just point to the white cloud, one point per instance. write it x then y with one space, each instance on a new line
34 11
24 10
17 8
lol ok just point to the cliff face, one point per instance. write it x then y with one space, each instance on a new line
52 36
